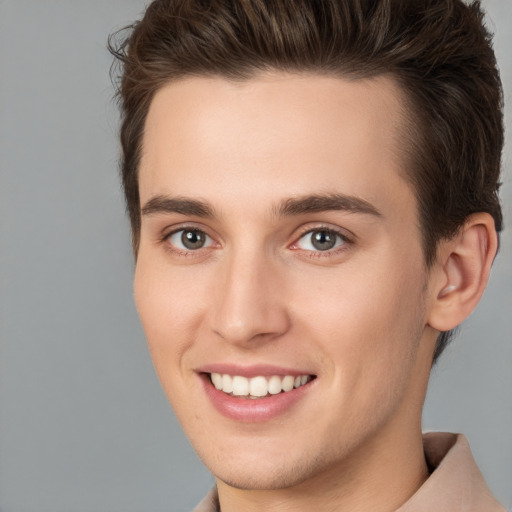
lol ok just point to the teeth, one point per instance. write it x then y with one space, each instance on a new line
274 385
287 384
258 386
237 385
227 384
240 386
217 380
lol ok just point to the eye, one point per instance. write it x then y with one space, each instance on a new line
320 240
189 239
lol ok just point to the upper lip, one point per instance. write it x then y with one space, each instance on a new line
264 370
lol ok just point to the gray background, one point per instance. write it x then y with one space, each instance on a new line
84 425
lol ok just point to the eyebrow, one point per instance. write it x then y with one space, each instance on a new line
184 206
325 202
289 207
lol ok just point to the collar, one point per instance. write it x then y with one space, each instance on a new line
456 483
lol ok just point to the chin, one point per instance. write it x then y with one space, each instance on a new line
249 479
260 472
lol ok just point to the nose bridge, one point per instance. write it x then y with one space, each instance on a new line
249 303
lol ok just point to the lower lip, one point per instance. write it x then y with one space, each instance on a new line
251 410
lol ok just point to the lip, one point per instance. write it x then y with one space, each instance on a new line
249 410
264 370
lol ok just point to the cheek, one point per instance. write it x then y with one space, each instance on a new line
364 301
168 305
368 319
169 309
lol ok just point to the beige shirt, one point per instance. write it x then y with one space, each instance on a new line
455 485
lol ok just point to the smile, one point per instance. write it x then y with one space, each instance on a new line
256 393
257 387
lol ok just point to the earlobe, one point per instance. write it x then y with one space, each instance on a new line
464 267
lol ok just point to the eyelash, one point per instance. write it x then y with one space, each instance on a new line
346 241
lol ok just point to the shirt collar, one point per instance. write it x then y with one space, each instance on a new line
455 483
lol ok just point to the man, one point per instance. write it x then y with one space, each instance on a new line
312 188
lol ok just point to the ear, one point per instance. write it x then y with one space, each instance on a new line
462 271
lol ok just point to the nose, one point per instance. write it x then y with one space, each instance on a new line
250 302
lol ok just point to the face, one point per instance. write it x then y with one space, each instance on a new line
280 278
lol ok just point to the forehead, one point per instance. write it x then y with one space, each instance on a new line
274 134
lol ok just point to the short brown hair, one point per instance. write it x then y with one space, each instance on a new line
438 51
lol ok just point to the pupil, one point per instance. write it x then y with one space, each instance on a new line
192 239
323 240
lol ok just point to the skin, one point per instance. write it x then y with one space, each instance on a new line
362 317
